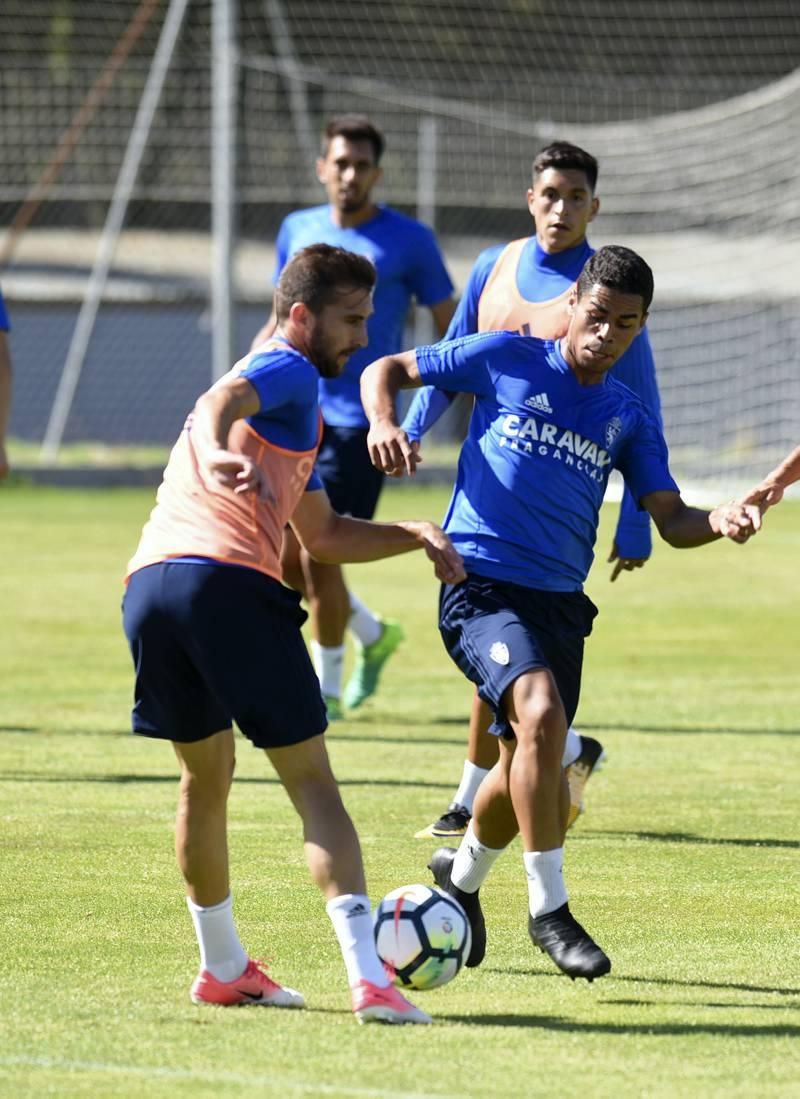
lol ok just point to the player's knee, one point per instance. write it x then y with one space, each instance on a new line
542 727
317 795
208 790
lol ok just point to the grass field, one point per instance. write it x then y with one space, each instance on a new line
685 865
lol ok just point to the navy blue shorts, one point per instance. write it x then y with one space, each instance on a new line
495 631
352 482
213 644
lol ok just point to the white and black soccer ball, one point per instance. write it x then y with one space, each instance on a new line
422 935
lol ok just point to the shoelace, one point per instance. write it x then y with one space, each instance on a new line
261 965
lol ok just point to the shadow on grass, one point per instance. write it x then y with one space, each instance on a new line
654 1030
267 780
749 1006
334 732
672 730
691 837
669 982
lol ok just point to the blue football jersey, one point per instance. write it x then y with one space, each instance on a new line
409 265
541 277
535 464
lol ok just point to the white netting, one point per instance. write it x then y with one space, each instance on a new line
692 110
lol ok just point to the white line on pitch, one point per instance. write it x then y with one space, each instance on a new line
285 1083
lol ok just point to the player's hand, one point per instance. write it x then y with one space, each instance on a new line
234 471
447 563
624 564
391 451
765 495
736 521
4 468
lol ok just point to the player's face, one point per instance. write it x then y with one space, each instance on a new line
339 330
349 172
603 324
561 204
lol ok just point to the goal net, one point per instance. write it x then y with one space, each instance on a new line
692 110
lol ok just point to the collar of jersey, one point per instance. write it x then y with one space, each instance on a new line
568 263
380 211
565 368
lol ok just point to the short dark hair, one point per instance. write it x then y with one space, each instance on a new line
620 269
566 157
317 275
355 127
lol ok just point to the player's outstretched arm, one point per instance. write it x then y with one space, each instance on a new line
390 449
770 490
685 527
336 539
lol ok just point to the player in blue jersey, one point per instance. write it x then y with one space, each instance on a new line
5 387
409 266
548 427
524 286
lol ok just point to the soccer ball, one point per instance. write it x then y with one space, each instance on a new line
422 935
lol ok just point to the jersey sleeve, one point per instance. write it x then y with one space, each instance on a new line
637 370
644 460
464 321
427 408
461 366
429 404
429 279
279 379
4 325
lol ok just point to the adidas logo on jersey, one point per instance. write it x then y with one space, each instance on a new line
540 402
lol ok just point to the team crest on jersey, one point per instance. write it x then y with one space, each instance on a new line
613 429
499 653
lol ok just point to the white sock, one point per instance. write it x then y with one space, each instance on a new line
328 664
472 862
221 952
364 624
573 747
351 917
471 778
546 889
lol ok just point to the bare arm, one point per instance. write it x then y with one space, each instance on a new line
771 489
389 447
5 400
216 411
442 314
685 527
334 538
265 331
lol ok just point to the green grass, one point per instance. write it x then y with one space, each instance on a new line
685 865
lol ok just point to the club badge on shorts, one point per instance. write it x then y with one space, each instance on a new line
499 653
